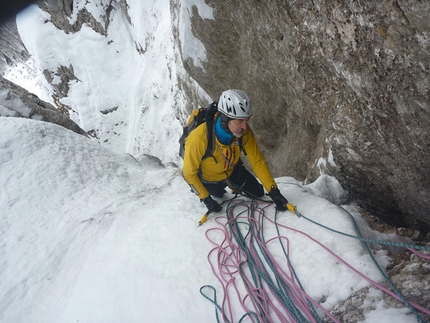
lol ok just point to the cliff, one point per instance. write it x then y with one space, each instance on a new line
338 88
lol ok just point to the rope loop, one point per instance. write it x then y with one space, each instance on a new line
267 291
217 307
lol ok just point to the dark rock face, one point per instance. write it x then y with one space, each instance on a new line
18 102
336 87
66 74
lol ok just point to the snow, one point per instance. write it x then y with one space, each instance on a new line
92 235
106 230
16 104
192 47
331 158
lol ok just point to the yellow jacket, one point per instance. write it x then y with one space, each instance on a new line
220 165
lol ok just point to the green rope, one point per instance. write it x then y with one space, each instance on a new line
280 289
314 313
387 279
213 301
388 243
218 308
281 294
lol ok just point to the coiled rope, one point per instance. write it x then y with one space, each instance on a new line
272 294
271 290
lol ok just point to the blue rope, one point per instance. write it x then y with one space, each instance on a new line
280 291
363 241
387 279
217 307
382 242
314 313
388 243
280 288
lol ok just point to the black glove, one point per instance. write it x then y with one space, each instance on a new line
280 201
212 205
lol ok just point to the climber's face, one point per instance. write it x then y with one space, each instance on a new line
238 126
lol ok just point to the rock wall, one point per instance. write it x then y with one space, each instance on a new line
340 87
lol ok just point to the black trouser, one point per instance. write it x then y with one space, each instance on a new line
241 180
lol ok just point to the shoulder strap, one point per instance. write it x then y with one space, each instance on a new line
211 110
210 131
241 146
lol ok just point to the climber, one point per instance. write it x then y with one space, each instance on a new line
210 176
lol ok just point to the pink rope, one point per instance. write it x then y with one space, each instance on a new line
266 300
419 254
295 293
231 262
416 306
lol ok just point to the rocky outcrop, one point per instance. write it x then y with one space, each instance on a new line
18 102
409 276
15 101
338 87
61 15
65 75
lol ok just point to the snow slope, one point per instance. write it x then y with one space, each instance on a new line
91 235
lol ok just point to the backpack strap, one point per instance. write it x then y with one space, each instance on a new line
210 112
241 146
210 131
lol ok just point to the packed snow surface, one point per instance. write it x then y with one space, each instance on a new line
91 235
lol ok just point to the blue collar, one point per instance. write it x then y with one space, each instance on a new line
226 138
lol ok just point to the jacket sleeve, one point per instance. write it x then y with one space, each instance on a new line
257 161
195 148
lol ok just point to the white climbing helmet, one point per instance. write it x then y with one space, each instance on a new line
235 104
